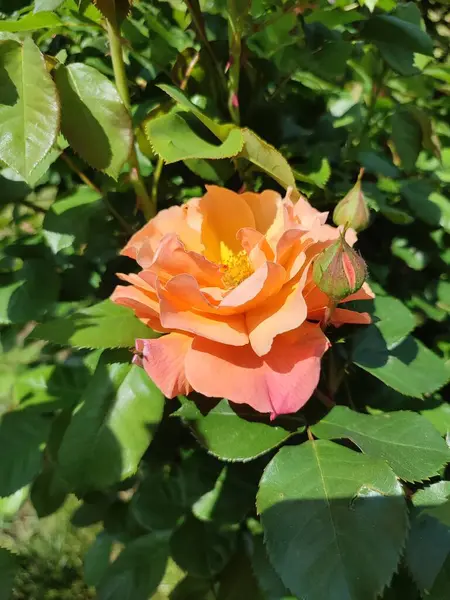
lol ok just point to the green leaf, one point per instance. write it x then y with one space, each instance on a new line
67 220
435 501
440 588
427 548
96 559
268 159
237 581
22 435
93 119
201 549
414 257
318 176
43 5
269 582
220 131
333 519
34 291
391 317
398 32
104 325
111 427
173 139
50 387
410 367
29 108
31 22
138 570
418 196
8 568
48 492
407 137
406 441
230 433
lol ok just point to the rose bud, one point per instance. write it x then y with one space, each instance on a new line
352 210
339 271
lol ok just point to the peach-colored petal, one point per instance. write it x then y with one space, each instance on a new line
177 313
224 213
279 383
256 246
341 316
164 361
171 258
261 285
264 207
169 220
283 312
145 306
307 215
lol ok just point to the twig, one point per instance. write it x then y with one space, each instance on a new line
189 70
199 27
156 176
115 43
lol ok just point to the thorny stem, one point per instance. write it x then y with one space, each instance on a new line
199 27
85 179
115 44
156 176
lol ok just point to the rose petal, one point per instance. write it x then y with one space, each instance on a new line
164 361
178 312
280 383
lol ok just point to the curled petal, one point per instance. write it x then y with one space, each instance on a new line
178 311
144 304
172 258
281 313
224 214
164 360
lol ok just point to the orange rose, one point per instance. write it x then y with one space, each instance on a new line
228 276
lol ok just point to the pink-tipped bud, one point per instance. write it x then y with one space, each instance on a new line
339 271
352 210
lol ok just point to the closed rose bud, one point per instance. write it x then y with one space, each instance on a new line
352 210
339 271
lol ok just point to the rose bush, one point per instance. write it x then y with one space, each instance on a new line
228 276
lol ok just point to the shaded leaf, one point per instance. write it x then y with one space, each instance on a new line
111 428
228 435
96 559
435 500
406 441
34 290
441 586
330 511
23 434
201 549
137 571
93 119
67 220
410 367
407 137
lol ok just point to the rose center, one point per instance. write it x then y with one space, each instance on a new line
236 266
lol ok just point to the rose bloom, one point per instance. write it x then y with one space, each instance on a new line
228 279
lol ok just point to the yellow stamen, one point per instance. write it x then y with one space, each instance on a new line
237 266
